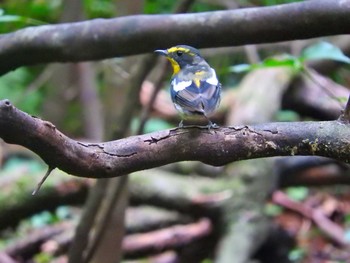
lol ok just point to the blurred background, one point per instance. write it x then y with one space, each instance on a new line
290 209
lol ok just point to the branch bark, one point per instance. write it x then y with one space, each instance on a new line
216 147
106 38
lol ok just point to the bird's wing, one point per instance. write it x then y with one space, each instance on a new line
186 100
195 96
210 96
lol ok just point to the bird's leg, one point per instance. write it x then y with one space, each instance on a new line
212 125
181 124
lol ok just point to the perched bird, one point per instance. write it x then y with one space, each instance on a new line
195 89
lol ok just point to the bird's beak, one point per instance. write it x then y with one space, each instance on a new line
161 52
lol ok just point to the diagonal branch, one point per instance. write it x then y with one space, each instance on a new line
218 147
345 117
106 38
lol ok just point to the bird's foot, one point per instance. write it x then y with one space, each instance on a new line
212 125
181 124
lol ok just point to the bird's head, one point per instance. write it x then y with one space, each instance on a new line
181 56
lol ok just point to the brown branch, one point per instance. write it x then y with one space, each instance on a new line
170 237
164 257
331 229
4 258
29 245
216 147
177 236
311 171
106 38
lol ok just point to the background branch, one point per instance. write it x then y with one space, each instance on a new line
106 38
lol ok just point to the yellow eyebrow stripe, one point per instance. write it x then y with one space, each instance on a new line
174 49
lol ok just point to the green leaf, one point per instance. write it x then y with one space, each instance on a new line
296 255
272 210
42 219
10 18
284 60
63 212
240 68
155 124
43 257
22 19
324 50
287 115
297 193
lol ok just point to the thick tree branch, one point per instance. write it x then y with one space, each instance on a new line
216 147
105 38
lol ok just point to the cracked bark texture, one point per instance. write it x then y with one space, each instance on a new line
106 38
215 147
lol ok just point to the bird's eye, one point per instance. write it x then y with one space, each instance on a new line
179 53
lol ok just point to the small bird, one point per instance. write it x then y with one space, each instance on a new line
194 89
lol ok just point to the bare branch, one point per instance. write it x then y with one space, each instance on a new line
218 147
166 238
106 38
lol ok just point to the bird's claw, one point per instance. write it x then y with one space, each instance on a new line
212 125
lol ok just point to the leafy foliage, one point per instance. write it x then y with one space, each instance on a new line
21 19
278 2
15 14
324 50
298 193
321 50
272 210
99 8
13 86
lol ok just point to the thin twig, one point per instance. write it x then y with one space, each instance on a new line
323 87
147 109
49 170
37 83
345 117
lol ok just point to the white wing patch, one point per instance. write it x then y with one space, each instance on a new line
213 80
181 85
